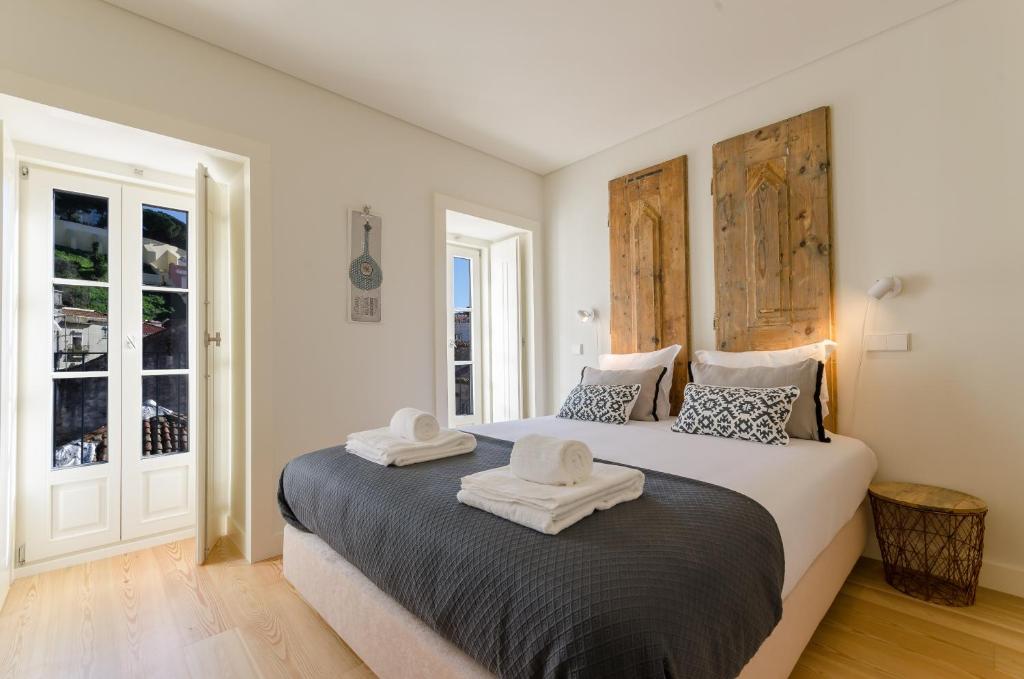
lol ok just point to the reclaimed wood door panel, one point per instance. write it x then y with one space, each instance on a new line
773 248
650 295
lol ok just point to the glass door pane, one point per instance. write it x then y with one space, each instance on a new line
165 330
463 324
164 415
80 236
79 422
80 328
464 389
164 247
462 283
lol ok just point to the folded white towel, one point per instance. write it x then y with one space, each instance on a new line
414 425
383 447
550 460
546 508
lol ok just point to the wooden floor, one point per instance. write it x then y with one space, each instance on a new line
154 614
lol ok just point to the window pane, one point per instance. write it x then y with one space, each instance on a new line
463 335
79 421
164 247
80 330
164 330
79 236
164 415
464 390
462 286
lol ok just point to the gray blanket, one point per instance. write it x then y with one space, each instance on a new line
684 582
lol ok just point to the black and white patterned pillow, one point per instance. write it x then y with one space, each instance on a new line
746 413
609 403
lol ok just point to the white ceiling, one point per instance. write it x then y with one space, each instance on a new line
460 224
540 83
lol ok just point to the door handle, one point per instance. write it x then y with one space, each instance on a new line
129 341
213 339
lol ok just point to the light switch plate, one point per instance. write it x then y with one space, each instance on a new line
875 343
897 341
893 341
576 349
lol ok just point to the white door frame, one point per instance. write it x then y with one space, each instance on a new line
9 231
534 401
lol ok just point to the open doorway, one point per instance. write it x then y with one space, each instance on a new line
122 328
486 355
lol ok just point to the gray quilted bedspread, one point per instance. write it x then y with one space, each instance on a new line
684 582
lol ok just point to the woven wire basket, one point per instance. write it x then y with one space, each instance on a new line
930 554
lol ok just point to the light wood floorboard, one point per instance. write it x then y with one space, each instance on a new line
874 631
153 613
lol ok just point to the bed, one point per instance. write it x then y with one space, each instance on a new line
820 545
793 517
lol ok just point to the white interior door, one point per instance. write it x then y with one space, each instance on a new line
70 333
8 354
506 336
465 404
160 315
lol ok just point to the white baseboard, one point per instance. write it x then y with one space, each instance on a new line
1002 577
998 576
84 556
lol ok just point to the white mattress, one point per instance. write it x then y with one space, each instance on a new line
812 489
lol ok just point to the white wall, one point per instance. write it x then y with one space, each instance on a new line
927 124
8 353
314 377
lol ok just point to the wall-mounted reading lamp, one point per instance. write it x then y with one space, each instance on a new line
586 315
890 286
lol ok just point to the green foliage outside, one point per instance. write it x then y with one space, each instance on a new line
163 227
155 307
84 266
82 297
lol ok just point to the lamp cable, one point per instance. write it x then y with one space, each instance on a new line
862 350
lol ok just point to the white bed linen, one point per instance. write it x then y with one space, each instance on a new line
812 489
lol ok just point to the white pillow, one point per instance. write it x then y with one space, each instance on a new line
819 351
651 359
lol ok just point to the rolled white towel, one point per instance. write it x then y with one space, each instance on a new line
414 425
551 461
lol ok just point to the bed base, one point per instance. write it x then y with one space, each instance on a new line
395 644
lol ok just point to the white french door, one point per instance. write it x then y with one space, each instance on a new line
106 373
157 467
465 310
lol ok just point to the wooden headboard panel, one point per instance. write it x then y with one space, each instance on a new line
650 305
773 247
